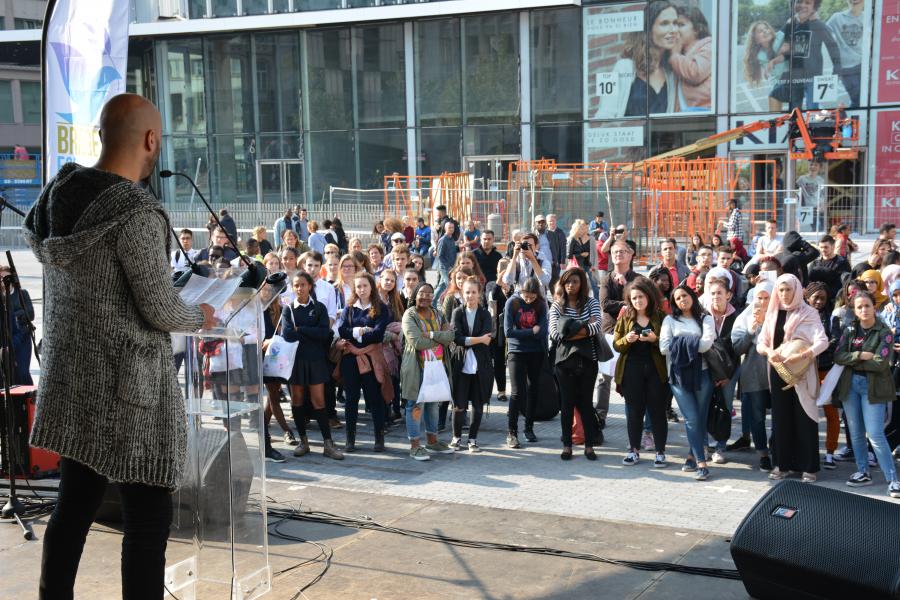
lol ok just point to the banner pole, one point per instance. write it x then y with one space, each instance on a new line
51 6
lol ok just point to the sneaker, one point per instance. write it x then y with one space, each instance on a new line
844 454
530 437
660 462
765 463
808 478
419 453
872 462
289 438
301 449
334 423
671 415
631 459
719 458
439 447
859 479
512 440
829 463
689 466
473 446
455 445
331 451
273 455
702 474
741 443
501 397
894 489
647 441
777 474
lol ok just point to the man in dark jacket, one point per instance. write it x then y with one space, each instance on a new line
798 253
830 268
558 248
487 256
228 224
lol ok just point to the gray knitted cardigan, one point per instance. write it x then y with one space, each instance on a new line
108 395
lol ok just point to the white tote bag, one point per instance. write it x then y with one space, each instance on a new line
435 385
229 358
279 359
828 384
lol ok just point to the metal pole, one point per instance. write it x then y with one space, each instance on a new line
193 191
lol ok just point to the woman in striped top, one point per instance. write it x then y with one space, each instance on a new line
576 356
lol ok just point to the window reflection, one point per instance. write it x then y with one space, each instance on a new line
438 72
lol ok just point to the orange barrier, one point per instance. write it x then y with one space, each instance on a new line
665 198
675 197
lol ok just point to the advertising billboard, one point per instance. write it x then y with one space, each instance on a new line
649 58
806 53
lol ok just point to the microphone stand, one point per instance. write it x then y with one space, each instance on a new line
9 428
244 258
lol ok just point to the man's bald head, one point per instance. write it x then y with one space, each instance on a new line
131 134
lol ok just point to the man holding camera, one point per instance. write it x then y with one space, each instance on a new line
527 261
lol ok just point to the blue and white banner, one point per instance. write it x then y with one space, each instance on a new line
85 62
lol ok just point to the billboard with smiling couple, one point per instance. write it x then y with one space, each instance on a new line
649 58
800 53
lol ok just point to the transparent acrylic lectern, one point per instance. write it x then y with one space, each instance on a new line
218 543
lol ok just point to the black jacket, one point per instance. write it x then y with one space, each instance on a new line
485 371
798 253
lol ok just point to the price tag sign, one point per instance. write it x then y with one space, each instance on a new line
607 84
825 89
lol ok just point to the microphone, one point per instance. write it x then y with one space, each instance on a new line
255 274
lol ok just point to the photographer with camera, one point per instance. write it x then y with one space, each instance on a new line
527 262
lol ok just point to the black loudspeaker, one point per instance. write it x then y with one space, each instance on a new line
805 542
214 475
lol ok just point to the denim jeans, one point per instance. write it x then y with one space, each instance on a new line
694 407
866 418
753 417
428 414
442 283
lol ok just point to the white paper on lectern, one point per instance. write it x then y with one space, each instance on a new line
209 290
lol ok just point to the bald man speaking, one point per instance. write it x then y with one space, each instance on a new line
108 400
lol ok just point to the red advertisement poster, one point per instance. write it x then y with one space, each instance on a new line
889 53
887 166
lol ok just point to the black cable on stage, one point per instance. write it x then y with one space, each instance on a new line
358 523
289 513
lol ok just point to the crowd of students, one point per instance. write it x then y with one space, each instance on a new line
704 326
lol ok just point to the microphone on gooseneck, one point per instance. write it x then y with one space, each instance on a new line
179 278
256 273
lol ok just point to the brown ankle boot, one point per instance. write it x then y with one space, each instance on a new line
303 447
331 451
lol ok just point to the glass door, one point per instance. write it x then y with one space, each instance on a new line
489 172
279 182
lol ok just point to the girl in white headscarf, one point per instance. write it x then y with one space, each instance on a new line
791 337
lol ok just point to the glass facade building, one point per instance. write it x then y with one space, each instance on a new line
281 99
